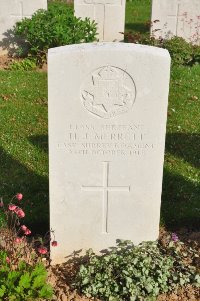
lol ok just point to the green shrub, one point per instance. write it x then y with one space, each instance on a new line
182 52
26 64
132 273
55 27
24 283
23 277
196 51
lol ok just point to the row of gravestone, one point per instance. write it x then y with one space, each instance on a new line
169 18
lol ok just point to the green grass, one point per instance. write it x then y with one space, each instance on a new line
181 185
138 15
23 146
24 139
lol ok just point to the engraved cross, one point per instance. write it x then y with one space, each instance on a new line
176 16
21 14
99 11
105 188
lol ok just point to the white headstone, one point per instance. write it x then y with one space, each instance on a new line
107 120
108 14
12 11
176 18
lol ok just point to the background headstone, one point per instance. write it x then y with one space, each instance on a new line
176 18
107 120
12 11
108 14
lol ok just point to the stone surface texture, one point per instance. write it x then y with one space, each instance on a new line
107 121
108 14
176 18
12 11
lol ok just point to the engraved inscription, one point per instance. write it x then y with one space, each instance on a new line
106 139
105 188
108 92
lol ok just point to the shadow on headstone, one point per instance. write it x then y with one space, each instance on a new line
11 44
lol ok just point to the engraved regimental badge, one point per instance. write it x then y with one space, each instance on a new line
108 92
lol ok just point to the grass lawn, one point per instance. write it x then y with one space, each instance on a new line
181 185
24 139
138 15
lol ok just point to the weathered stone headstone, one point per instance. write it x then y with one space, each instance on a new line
108 14
176 18
107 120
12 11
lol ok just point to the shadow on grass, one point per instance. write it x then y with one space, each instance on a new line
40 141
180 203
137 27
15 177
181 197
186 146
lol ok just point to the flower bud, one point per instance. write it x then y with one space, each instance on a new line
19 196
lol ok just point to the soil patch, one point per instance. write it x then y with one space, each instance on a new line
6 61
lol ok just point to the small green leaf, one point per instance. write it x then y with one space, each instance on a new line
39 281
25 280
2 290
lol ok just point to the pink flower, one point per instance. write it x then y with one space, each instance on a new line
54 243
19 196
27 232
42 250
24 228
20 213
18 240
12 207
7 259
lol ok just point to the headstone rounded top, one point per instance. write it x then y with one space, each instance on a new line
156 51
